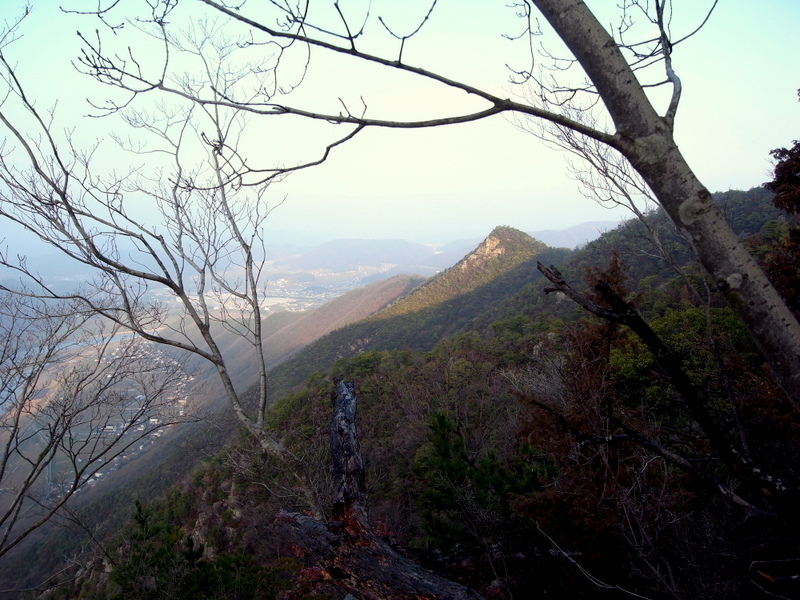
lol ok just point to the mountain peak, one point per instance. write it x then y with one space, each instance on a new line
501 241
503 249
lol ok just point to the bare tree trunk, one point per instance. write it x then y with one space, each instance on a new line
345 550
735 273
646 140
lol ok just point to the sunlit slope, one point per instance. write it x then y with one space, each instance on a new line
501 252
445 304
287 332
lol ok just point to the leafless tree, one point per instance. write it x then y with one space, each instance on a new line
176 249
610 66
73 398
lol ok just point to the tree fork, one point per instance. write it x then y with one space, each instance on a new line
646 140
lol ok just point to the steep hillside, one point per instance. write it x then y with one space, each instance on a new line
502 251
287 332
349 308
444 305
652 256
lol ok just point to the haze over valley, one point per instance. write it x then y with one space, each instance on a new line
304 277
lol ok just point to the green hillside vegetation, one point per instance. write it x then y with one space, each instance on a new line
649 268
444 305
503 249
516 443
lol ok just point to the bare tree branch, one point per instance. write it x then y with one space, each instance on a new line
74 398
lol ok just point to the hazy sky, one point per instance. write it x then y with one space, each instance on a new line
740 77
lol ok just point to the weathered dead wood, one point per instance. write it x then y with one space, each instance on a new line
348 467
345 552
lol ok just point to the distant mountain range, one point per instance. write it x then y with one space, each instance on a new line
401 256
295 263
576 236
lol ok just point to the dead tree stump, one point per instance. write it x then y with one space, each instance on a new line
344 551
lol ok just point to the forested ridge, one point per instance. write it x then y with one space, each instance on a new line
441 306
514 442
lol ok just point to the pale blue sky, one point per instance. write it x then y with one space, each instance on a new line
740 79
